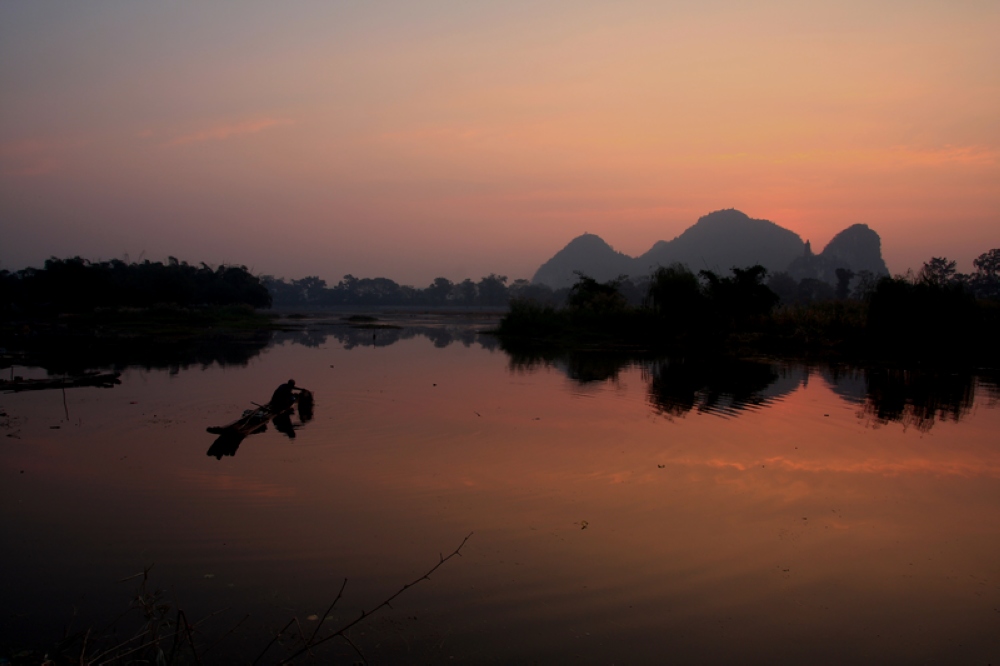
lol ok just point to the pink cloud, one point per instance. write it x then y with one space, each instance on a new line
226 131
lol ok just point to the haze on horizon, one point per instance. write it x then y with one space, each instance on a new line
416 140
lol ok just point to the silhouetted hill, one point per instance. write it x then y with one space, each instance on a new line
723 239
718 242
856 248
587 253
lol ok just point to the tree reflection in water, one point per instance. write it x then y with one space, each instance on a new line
729 386
383 333
722 386
581 366
917 398
77 356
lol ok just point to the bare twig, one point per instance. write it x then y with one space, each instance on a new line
211 615
273 640
351 643
83 650
142 574
365 614
187 628
121 656
302 635
322 619
205 651
177 633
69 627
137 637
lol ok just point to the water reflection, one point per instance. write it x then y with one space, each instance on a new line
988 385
848 382
675 386
719 386
753 536
79 356
383 333
581 366
728 386
917 398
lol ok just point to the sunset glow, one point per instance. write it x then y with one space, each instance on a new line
458 139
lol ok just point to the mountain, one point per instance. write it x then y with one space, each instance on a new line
719 241
723 239
587 253
857 248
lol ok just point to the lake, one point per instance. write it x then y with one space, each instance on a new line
622 510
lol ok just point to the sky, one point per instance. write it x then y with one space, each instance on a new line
412 140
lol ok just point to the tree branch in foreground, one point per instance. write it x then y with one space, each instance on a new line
313 642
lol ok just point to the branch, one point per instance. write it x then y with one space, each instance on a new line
273 640
322 619
205 651
364 614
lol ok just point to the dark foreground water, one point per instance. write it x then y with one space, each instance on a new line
623 511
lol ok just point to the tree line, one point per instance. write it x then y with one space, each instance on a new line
313 292
936 312
78 285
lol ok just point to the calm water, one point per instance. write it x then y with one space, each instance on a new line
623 511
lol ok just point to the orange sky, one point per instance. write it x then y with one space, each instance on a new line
457 139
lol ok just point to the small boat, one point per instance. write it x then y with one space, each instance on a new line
105 380
254 421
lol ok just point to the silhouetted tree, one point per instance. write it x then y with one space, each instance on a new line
78 285
674 293
986 280
595 297
939 271
864 285
311 288
524 290
785 287
465 292
811 290
921 318
438 291
633 291
492 290
844 277
742 296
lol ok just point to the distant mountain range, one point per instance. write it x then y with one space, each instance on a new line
718 242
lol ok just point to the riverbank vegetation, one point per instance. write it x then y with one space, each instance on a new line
935 314
74 310
77 285
313 293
